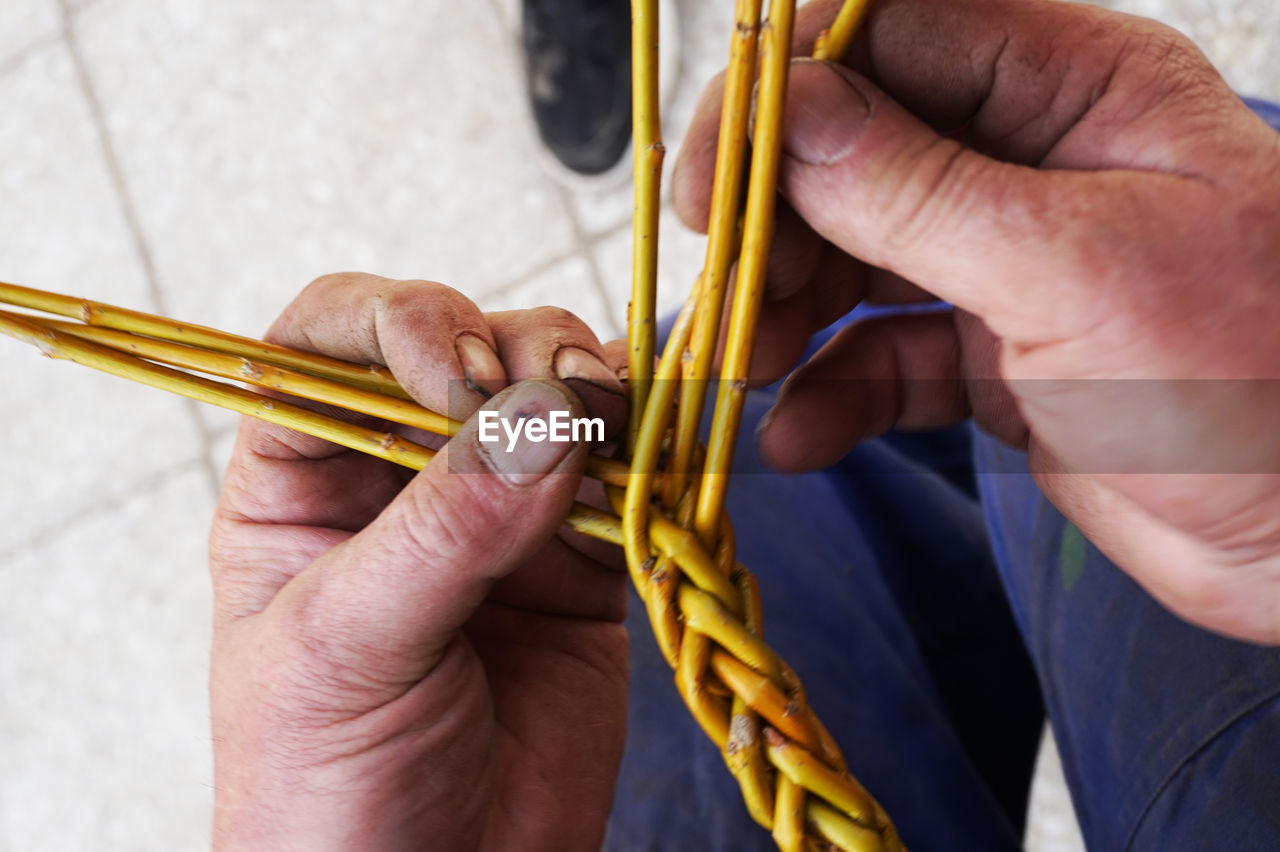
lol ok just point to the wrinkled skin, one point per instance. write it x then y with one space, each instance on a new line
1103 213
417 662
425 662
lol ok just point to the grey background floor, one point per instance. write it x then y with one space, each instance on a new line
207 159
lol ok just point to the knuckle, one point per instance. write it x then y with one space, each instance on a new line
332 280
297 325
425 306
560 319
1164 65
396 297
933 194
325 286
322 284
561 327
230 561
1167 50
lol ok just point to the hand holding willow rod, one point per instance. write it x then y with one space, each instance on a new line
404 660
679 546
1107 226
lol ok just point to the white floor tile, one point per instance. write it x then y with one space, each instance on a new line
61 220
603 210
69 437
680 256
268 143
23 23
568 285
104 636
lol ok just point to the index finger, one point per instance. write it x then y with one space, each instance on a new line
311 491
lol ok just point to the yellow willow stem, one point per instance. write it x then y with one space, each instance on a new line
704 612
806 769
263 375
397 408
647 448
744 753
723 234
775 60
594 522
384 445
788 816
649 153
722 231
846 834
764 698
371 377
833 43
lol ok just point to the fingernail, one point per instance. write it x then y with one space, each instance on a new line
574 363
523 452
824 114
480 365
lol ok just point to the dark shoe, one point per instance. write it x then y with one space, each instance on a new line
578 71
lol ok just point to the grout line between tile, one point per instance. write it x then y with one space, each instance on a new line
141 249
583 241
129 210
532 272
104 506
585 244
19 57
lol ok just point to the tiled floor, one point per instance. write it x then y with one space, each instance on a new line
207 159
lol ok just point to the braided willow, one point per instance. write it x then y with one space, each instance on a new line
668 502
748 701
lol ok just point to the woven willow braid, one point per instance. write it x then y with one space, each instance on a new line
703 605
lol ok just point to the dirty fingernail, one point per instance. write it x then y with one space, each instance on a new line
519 441
574 363
480 365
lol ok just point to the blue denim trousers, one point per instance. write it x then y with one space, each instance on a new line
936 606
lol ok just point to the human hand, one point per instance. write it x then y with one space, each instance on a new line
1103 213
408 662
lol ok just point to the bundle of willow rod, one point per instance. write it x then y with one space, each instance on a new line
748 701
703 605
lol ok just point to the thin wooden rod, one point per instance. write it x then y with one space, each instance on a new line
833 43
775 61
722 243
380 444
649 154
371 376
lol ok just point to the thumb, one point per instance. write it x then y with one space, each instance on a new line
386 603
885 187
